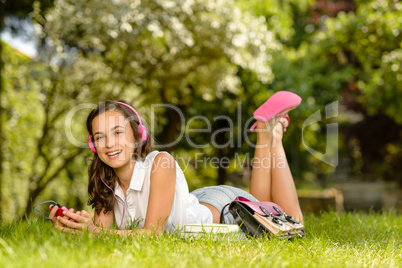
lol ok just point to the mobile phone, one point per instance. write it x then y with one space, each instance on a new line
60 210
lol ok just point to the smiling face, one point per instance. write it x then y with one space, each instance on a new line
114 139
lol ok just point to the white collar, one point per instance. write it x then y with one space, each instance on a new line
138 176
136 180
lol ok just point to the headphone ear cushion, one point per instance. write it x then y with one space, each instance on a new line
91 146
143 131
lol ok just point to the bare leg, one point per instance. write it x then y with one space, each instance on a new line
260 184
271 179
283 190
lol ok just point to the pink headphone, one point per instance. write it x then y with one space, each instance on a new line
141 129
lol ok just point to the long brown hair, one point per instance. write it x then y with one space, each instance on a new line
100 197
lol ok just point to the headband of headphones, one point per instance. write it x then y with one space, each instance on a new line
141 129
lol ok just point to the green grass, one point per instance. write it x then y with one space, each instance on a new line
351 239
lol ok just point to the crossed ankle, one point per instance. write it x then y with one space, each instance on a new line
276 142
264 139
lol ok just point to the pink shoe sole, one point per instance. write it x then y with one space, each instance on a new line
277 103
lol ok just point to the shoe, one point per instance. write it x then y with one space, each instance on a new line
280 102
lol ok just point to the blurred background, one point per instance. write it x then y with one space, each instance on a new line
219 59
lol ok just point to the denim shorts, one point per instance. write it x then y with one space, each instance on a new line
220 195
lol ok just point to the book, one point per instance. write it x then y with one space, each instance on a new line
273 227
211 228
212 231
296 227
213 236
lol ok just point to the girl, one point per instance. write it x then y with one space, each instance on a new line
130 183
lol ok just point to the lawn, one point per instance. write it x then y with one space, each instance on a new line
332 240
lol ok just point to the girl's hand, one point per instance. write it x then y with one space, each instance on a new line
53 218
76 222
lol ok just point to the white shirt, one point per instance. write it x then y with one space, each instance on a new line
185 209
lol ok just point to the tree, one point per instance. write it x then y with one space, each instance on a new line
51 147
175 52
153 51
347 51
368 43
18 9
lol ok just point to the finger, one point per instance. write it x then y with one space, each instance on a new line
68 218
70 223
71 209
73 216
86 214
74 231
53 213
69 230
58 224
65 217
